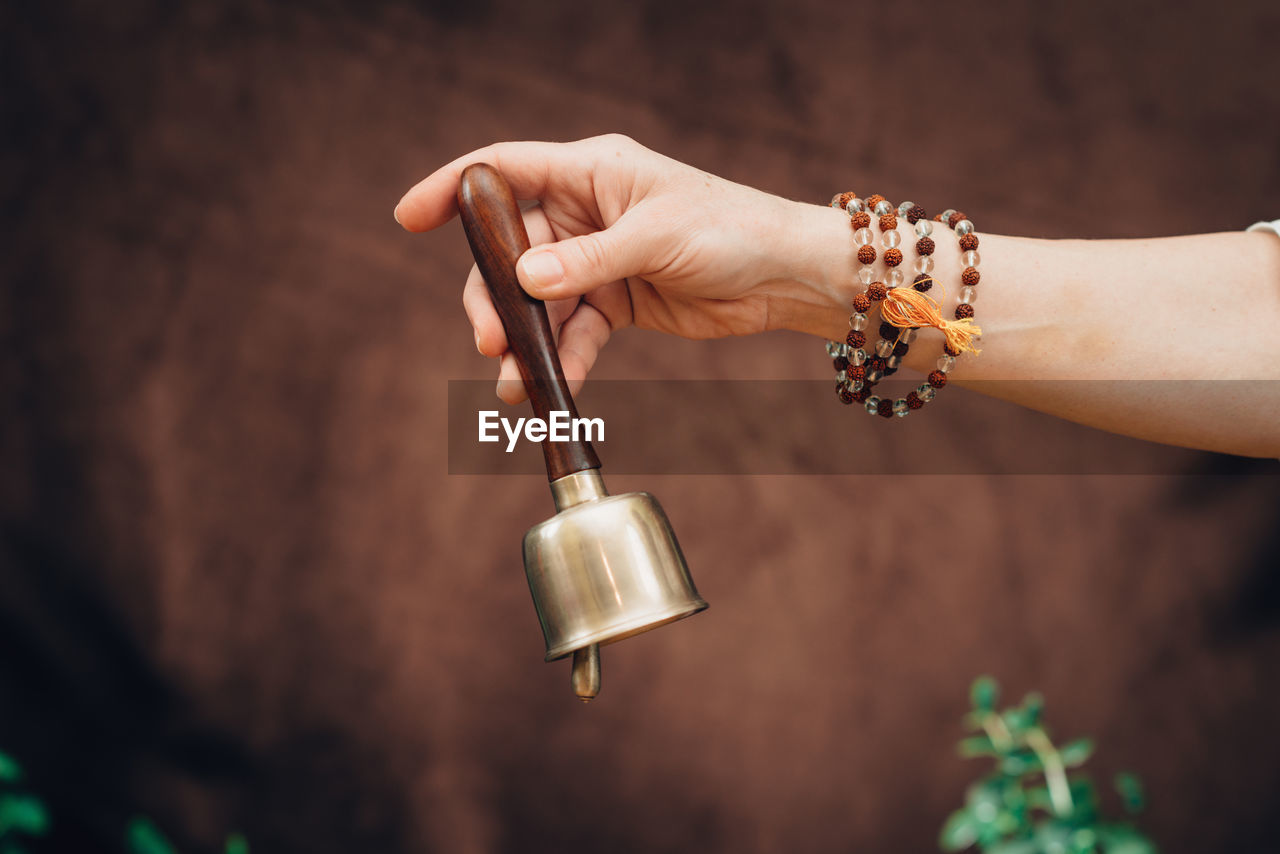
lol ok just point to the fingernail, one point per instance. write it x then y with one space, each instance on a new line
478 350
396 213
542 269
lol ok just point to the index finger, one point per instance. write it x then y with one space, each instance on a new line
527 166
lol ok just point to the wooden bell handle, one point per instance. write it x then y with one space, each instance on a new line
495 230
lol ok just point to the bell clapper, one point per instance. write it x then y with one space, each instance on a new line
585 677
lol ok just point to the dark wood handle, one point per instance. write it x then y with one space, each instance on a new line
495 230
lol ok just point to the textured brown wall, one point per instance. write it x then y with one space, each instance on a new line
238 589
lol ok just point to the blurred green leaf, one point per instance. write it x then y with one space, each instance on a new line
1129 786
960 831
1124 839
1076 752
10 770
237 844
1014 846
1020 762
984 694
24 814
143 837
976 745
1032 707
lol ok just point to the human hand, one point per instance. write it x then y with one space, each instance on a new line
623 235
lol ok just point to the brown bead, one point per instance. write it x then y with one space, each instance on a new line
900 349
877 363
873 200
968 242
862 303
846 396
888 331
876 290
954 218
861 219
937 217
915 214
888 222
885 408
867 254
855 338
970 276
922 282
893 257
925 246
863 393
913 400
855 373
937 379
845 198
840 363
964 310
949 350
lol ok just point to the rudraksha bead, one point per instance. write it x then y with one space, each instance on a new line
900 349
970 276
873 200
885 409
954 218
949 350
863 393
937 379
876 291
922 282
888 331
856 373
861 219
968 242
877 363
855 338
888 222
840 363
925 246
867 254
862 303
913 400
846 396
845 198
892 257
964 310
916 214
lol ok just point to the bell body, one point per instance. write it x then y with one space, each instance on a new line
605 567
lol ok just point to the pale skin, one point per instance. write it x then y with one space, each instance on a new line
625 236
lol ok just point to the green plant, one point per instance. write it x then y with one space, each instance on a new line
1029 803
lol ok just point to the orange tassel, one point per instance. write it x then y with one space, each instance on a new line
908 308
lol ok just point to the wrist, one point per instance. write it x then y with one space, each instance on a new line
813 258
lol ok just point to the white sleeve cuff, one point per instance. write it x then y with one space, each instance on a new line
1273 226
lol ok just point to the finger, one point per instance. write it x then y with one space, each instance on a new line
581 264
582 337
527 166
510 385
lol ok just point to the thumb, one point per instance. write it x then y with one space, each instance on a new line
581 264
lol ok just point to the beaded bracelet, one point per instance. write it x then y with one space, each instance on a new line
903 311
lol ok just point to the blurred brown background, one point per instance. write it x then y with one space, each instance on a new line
238 589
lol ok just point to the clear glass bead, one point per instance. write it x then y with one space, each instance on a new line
909 335
972 258
964 227
866 274
884 347
883 208
855 205
895 278
905 208
924 264
854 386
872 404
890 238
946 215
946 362
900 407
924 227
874 376
833 349
863 237
926 392
892 362
857 357
835 199
840 378
968 295
859 322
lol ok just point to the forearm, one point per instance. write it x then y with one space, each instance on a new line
1136 313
